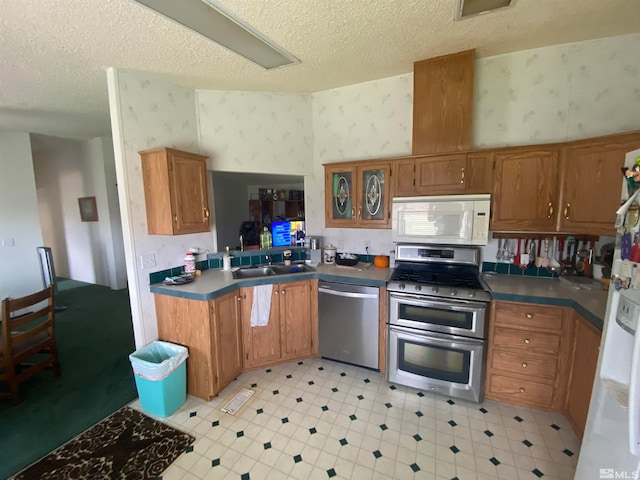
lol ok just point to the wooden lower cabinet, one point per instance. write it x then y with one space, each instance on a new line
528 354
586 345
211 332
543 357
292 330
221 341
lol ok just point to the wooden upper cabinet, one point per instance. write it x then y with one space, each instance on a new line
525 190
358 195
450 174
442 103
175 191
479 172
591 183
442 173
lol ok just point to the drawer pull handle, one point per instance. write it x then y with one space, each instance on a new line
524 364
462 175
527 341
528 315
521 390
550 210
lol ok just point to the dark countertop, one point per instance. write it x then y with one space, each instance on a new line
214 283
591 304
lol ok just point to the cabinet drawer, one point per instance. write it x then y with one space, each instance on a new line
519 391
529 316
542 367
537 343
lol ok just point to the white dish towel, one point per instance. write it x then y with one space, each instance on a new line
261 307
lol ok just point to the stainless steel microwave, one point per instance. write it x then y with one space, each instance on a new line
445 219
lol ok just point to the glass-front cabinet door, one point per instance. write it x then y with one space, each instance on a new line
357 196
340 208
373 210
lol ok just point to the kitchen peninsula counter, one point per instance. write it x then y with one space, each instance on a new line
213 283
591 304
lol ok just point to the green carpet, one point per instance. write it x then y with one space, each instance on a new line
95 338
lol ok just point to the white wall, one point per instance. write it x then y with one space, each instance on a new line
148 113
65 170
110 224
558 93
19 218
255 132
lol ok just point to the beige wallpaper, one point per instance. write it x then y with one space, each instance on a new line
260 132
558 93
150 113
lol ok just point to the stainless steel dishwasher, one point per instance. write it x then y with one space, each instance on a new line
348 325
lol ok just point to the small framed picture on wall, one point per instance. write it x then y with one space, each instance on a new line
88 209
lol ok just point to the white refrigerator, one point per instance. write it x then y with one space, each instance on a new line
611 443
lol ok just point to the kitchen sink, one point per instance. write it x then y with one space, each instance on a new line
269 270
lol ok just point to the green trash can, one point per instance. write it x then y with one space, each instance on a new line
161 377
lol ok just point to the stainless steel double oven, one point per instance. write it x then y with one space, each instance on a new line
438 307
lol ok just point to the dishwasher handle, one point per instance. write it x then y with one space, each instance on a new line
346 294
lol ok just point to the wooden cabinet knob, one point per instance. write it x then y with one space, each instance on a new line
282 292
528 315
521 390
239 299
524 364
527 341
276 292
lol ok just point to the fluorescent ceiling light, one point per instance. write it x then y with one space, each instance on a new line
208 18
468 8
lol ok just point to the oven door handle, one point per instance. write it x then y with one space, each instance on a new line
453 304
442 337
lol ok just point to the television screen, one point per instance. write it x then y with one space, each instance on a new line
288 234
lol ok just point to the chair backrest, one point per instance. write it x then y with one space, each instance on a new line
24 334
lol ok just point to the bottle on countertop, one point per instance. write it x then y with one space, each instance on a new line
265 239
226 260
189 263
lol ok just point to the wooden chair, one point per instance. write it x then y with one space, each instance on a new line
28 342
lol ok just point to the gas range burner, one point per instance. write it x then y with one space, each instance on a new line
439 281
429 272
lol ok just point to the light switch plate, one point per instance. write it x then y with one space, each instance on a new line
8 242
147 260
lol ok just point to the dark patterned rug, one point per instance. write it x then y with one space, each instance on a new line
126 445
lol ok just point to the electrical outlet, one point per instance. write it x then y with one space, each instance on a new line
147 260
367 245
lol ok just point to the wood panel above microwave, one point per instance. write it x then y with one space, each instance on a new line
443 103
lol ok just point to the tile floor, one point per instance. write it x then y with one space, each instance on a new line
319 419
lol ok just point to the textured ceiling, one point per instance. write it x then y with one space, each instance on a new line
54 53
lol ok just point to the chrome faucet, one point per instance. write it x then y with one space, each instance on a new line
269 260
241 243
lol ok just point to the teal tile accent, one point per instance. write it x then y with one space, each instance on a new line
157 277
177 270
236 261
255 259
245 260
203 265
215 263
